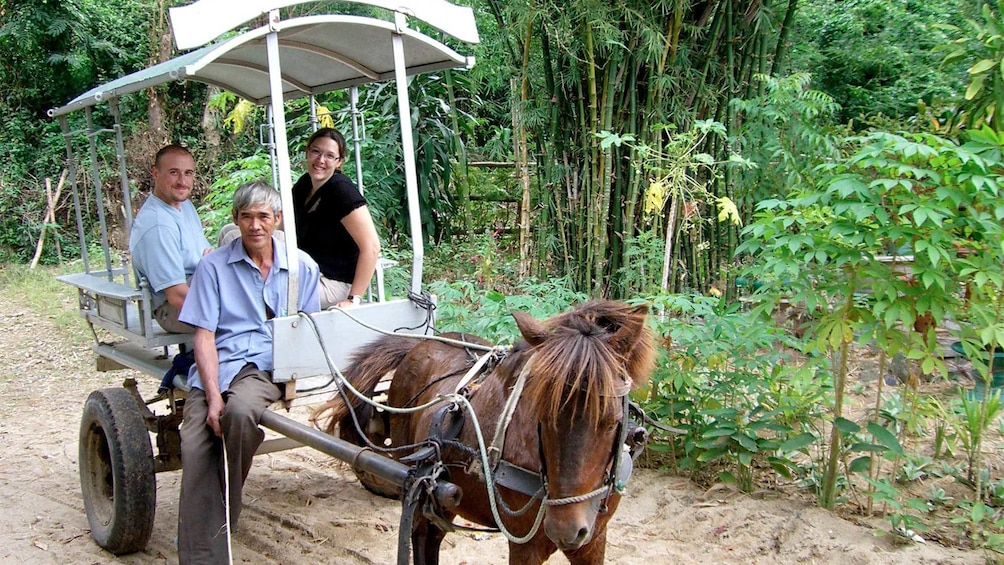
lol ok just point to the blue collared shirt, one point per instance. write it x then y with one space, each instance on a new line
166 244
228 296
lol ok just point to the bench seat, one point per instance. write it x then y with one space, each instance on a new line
122 309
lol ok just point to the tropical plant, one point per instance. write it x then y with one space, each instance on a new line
728 384
822 247
982 44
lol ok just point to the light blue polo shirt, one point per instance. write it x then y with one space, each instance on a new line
228 296
166 244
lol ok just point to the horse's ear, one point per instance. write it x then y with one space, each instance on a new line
629 333
533 331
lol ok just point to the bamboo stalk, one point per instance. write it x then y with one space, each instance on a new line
781 49
595 158
606 180
523 158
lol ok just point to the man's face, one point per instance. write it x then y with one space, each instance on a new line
257 223
174 177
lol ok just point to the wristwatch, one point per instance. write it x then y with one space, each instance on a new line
355 298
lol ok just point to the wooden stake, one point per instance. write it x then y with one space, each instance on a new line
49 218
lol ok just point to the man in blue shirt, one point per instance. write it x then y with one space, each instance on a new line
234 293
166 240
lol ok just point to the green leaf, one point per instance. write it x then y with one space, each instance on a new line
711 455
974 87
982 66
846 426
873 447
747 442
781 466
886 438
796 443
860 465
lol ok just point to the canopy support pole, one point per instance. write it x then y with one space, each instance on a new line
282 153
313 113
113 106
408 152
273 161
98 192
71 166
356 138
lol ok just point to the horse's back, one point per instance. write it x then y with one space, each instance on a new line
432 367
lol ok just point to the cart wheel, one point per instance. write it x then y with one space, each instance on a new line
377 429
116 471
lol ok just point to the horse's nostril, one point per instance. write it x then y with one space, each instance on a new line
582 536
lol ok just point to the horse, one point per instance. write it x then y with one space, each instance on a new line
564 447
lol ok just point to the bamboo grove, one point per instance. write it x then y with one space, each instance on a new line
646 72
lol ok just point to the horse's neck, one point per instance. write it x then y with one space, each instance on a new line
489 403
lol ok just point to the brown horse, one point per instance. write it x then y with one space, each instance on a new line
562 446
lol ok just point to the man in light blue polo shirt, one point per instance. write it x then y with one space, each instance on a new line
234 293
166 240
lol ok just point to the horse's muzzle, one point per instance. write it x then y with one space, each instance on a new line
571 527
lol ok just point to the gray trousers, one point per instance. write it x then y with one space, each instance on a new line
202 534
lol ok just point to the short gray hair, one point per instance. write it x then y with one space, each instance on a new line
254 194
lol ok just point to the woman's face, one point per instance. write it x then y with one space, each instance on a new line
323 160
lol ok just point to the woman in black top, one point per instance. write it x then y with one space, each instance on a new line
333 224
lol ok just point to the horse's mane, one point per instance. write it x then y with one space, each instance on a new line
585 359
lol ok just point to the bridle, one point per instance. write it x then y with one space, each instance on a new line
535 484
619 468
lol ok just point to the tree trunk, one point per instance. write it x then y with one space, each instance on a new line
160 35
210 131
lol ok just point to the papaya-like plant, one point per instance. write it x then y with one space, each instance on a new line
882 248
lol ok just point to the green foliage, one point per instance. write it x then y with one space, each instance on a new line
982 525
822 247
922 191
783 133
468 307
729 384
216 208
877 57
974 417
680 173
981 45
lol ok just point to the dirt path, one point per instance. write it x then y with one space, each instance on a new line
302 507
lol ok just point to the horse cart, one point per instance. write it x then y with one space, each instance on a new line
539 438
281 60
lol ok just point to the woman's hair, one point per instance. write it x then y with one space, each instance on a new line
256 193
332 134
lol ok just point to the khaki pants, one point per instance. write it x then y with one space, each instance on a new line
332 292
202 532
167 316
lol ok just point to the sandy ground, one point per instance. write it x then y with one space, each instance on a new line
302 507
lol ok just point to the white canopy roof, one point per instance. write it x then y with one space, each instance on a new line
317 54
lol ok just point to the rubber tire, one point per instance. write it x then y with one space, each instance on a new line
117 476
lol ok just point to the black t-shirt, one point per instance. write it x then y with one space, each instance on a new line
319 229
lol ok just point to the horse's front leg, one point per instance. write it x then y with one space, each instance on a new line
425 541
534 552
